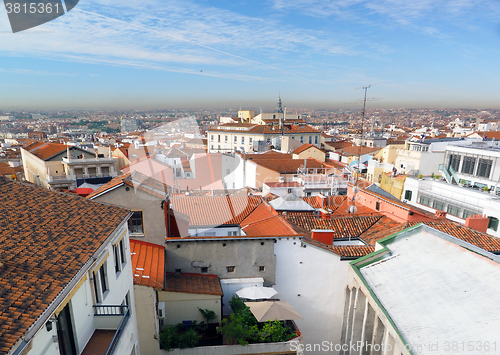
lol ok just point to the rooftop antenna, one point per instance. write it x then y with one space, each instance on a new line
365 88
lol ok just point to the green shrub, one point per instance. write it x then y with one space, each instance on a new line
208 314
420 176
179 337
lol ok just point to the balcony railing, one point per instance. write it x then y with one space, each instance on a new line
447 176
112 317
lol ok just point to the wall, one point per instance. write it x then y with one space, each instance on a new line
180 306
147 320
313 281
364 321
246 254
289 347
137 200
82 311
231 286
311 153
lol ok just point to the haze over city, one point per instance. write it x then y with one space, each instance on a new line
207 54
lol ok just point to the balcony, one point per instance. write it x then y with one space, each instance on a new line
94 161
110 323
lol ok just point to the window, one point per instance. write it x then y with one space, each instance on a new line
438 205
135 223
250 140
178 172
242 140
212 147
262 268
377 206
467 213
235 139
230 268
424 200
178 271
225 138
493 223
301 139
316 140
218 138
310 139
204 270
484 168
453 210
468 165
408 195
211 137
101 285
454 162
119 254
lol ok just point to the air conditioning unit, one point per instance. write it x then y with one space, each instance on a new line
161 310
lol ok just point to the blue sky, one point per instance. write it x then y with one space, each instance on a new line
204 53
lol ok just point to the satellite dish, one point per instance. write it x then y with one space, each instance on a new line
352 209
355 190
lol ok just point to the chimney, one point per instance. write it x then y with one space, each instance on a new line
477 222
323 236
440 214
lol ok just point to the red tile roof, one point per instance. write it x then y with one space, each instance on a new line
304 147
359 150
216 210
193 283
264 220
457 230
148 264
46 150
45 239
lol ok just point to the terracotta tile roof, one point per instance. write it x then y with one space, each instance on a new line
382 228
46 150
271 154
335 163
109 185
216 210
457 230
330 202
346 252
270 197
358 150
343 227
148 264
265 129
6 169
264 220
45 239
304 147
339 145
193 283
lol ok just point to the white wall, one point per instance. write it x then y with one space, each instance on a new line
313 280
230 286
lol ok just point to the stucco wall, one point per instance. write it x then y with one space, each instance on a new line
313 280
246 255
181 306
137 200
147 321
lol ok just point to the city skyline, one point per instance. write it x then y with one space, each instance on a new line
211 54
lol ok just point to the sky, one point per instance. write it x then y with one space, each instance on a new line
163 54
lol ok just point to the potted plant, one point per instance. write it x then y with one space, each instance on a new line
420 176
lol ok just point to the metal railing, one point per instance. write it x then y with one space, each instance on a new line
114 311
447 176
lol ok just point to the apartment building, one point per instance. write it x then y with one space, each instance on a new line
245 137
66 273
61 167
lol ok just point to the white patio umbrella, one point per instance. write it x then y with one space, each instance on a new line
256 292
269 310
